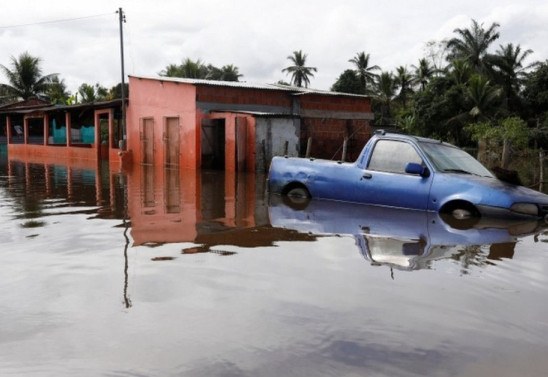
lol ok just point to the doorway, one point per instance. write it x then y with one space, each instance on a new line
213 144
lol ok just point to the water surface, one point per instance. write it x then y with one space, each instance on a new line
176 273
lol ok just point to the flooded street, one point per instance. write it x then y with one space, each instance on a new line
177 273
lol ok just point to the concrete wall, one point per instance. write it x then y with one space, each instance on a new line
271 136
157 100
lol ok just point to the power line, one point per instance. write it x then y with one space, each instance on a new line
56 21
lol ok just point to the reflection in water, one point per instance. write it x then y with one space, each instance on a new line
311 306
215 209
208 208
404 239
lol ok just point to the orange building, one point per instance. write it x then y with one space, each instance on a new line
236 126
39 131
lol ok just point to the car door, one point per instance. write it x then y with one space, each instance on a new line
385 182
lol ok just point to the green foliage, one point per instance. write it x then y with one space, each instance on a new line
512 129
536 89
93 93
196 69
348 82
57 92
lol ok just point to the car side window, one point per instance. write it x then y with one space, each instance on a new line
393 156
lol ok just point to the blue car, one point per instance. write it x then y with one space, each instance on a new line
410 172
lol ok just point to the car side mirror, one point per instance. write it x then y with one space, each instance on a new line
417 169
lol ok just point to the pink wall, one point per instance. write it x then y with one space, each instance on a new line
157 100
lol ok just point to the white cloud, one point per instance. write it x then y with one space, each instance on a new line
256 36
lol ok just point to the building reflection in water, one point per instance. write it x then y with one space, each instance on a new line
208 208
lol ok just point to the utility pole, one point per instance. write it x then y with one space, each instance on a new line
122 18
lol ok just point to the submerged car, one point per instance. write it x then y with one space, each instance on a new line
411 172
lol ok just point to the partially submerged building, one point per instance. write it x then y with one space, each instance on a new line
37 130
239 126
192 124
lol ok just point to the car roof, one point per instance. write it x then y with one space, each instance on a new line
390 135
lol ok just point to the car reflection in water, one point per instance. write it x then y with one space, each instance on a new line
403 239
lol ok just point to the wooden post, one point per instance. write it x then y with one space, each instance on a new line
263 151
308 147
286 147
506 153
541 175
344 149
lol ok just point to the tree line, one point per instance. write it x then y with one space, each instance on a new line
25 80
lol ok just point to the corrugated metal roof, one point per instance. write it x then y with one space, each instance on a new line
260 114
294 90
93 105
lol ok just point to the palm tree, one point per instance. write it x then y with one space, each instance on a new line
482 97
509 71
25 78
460 71
92 93
423 72
385 88
363 70
57 91
300 73
404 80
192 69
228 72
172 70
472 44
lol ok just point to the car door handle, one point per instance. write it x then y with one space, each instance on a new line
366 176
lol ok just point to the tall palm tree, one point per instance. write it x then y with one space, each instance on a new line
300 73
404 80
57 92
385 91
230 72
363 70
482 97
423 72
25 78
460 71
472 44
509 71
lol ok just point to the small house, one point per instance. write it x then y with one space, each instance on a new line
239 126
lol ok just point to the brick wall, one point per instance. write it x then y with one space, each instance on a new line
242 96
328 136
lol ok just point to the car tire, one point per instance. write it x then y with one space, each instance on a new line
297 198
461 215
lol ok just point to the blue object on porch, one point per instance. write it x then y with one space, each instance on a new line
60 135
87 134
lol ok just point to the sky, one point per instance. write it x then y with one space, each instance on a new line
80 40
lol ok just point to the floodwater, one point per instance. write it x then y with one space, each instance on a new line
174 273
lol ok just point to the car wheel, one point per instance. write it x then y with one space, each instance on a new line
297 198
460 215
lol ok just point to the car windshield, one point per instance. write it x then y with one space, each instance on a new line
451 159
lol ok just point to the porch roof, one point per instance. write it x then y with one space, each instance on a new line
51 108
